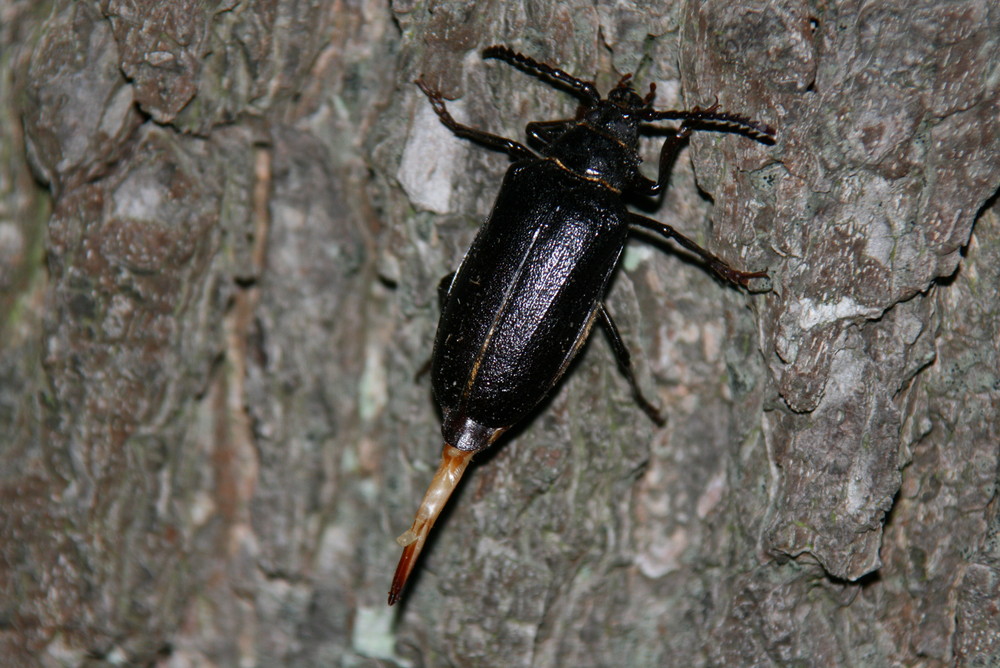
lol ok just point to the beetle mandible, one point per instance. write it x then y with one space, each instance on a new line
529 290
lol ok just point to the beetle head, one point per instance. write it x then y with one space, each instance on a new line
624 97
620 113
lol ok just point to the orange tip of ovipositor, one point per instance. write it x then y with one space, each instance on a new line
453 464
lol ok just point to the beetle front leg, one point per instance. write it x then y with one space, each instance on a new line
496 142
668 155
625 364
717 265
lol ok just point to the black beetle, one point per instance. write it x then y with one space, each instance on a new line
530 288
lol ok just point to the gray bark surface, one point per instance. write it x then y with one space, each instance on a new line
222 227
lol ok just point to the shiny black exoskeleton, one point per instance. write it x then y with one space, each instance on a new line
530 288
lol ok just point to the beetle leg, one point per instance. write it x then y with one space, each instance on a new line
491 141
668 155
444 287
625 364
717 265
543 133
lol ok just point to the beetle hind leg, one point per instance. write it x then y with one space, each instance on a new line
625 365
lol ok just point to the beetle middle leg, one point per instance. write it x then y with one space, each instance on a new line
543 133
496 142
625 364
715 264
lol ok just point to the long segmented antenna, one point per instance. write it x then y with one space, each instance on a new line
588 92
585 89
453 464
755 129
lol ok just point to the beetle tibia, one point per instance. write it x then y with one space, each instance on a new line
453 463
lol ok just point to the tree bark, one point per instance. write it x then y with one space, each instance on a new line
222 227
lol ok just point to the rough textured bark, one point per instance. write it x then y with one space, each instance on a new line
222 226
